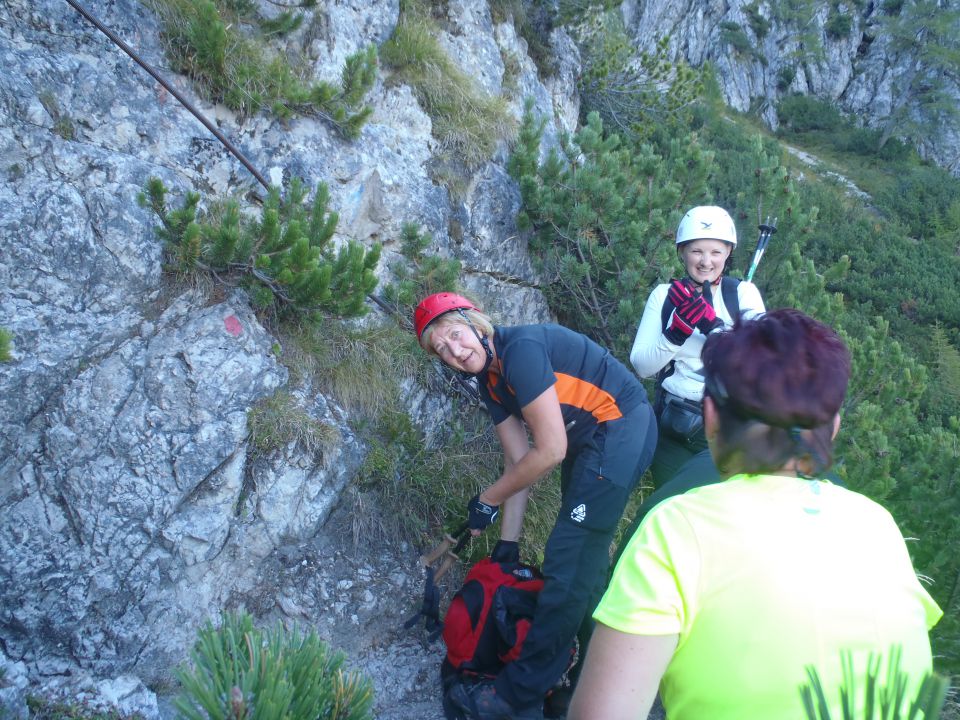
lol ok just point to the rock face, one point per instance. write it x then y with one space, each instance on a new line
132 507
858 70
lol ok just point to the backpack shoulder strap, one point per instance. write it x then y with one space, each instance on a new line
729 290
665 311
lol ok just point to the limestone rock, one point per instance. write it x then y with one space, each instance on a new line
133 507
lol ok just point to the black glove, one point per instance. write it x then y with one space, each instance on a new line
480 515
707 326
506 551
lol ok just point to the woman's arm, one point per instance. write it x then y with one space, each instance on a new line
621 675
513 439
651 350
545 421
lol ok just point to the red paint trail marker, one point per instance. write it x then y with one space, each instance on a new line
233 326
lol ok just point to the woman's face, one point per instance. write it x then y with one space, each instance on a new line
704 259
458 346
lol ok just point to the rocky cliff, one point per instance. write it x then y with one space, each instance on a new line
132 508
761 54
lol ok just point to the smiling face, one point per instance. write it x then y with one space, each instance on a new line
704 259
459 347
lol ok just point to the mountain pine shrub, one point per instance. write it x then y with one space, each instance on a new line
286 258
635 94
422 274
882 697
240 671
602 218
223 47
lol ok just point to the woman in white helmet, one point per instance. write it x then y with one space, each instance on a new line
676 321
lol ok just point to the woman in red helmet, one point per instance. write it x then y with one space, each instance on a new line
584 411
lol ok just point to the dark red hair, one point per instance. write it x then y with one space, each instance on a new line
783 370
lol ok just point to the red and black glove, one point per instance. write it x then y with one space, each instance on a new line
692 311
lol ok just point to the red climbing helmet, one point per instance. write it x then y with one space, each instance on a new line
433 306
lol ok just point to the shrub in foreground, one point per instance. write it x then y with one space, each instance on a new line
239 671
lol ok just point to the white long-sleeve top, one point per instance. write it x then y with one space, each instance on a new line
652 351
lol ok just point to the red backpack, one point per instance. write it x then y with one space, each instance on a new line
486 623
490 615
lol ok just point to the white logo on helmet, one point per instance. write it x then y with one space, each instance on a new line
579 513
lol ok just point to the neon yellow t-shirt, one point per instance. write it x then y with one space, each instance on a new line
761 576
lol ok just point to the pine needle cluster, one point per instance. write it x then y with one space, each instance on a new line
241 672
635 93
223 46
286 258
422 274
880 700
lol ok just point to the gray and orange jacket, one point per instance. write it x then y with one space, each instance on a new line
593 386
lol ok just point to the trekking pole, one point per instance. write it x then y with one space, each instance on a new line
767 229
448 549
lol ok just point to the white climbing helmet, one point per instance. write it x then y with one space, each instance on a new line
707 222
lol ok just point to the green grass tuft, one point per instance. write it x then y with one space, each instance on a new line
6 339
278 421
468 123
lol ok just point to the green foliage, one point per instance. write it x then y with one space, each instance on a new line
240 671
42 708
286 257
799 17
757 20
6 339
205 40
362 367
602 218
422 274
885 696
467 123
533 20
943 398
278 420
785 76
803 113
924 199
733 35
838 25
428 484
635 94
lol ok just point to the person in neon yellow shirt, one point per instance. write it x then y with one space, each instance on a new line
727 593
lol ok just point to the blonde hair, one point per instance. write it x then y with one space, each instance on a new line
479 320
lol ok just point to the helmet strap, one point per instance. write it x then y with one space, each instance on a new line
483 341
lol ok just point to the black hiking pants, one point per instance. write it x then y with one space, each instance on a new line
596 482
